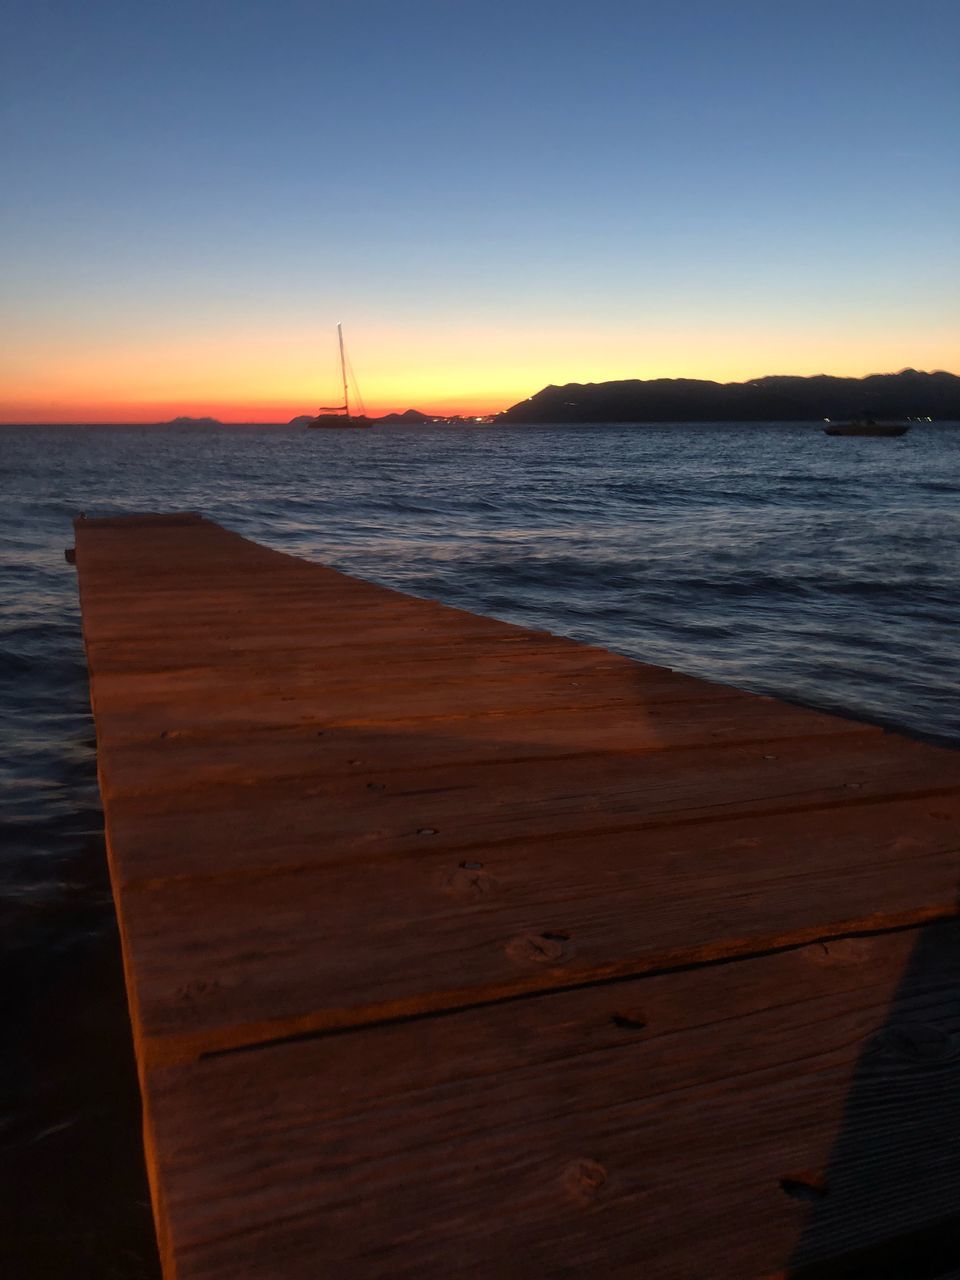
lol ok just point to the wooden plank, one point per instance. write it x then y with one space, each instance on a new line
184 759
634 710
306 641
257 957
302 822
144 704
644 1128
161 652
301 647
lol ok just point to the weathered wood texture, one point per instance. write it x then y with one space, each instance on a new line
387 871
674 1126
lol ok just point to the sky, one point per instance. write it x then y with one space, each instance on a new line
491 195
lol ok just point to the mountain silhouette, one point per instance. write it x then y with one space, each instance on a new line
908 394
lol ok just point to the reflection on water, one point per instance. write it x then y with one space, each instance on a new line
773 558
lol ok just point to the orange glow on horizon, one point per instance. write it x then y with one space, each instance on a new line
246 377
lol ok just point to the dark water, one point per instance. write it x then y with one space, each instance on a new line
825 571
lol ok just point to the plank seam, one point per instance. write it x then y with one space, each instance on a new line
914 925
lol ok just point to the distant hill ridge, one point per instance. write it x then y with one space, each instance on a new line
411 417
184 421
772 399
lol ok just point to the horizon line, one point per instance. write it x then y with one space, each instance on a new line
486 413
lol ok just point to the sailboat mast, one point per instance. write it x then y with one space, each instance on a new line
343 371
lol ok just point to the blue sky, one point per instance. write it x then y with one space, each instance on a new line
484 192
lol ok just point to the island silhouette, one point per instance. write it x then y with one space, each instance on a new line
908 394
184 421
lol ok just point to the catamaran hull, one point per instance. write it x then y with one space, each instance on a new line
340 424
873 429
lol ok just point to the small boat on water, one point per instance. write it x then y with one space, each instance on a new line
339 415
864 426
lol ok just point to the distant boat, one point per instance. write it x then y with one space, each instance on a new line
339 415
865 426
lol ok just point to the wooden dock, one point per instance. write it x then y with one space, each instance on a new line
458 949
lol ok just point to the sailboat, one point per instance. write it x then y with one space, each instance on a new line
864 425
339 415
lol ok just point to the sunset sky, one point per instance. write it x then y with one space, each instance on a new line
491 196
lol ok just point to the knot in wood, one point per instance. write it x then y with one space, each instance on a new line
629 1019
470 882
583 1180
196 989
541 948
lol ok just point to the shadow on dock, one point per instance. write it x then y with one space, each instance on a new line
894 1172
